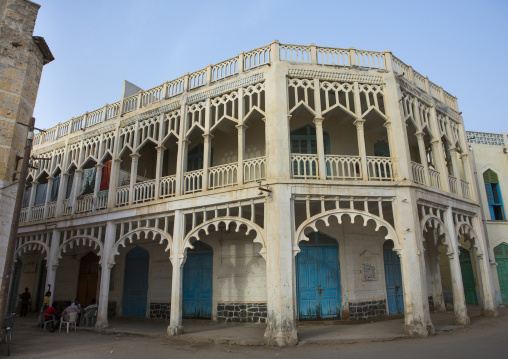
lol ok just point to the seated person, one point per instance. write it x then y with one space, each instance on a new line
65 316
79 309
50 314
91 310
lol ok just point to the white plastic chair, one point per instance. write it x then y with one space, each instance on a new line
90 315
70 322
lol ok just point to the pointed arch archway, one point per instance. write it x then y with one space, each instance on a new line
148 233
85 240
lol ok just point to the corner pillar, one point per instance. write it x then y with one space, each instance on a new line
175 323
106 264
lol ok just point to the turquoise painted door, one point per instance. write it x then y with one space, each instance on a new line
318 278
501 253
393 279
135 285
197 282
466 269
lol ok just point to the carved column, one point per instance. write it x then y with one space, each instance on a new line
455 166
134 176
32 200
439 157
423 156
78 177
106 264
113 182
158 170
361 146
207 149
241 151
175 323
435 273
181 166
49 188
97 186
62 191
318 121
467 171
51 262
459 299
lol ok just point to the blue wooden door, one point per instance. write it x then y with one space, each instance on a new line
197 282
318 278
393 278
135 285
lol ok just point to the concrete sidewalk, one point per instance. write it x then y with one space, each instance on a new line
200 331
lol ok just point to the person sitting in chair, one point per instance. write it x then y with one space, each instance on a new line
50 314
91 310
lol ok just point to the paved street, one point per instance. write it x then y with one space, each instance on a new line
485 338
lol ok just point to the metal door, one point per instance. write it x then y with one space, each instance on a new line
197 282
318 278
501 253
466 269
135 285
393 278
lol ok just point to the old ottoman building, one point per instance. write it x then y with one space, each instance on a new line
288 183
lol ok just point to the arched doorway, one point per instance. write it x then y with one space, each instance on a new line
88 276
501 253
393 279
318 278
197 282
135 285
466 267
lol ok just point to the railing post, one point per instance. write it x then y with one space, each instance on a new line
206 159
313 54
441 94
140 99
352 56
49 188
241 152
275 51
427 85
389 61
104 116
84 121
423 157
158 170
361 146
31 201
165 88
241 62
98 176
410 74
186 82
208 79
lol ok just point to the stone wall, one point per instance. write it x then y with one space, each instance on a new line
160 310
368 309
242 312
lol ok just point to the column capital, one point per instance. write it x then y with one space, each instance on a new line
464 155
51 178
207 136
183 141
99 165
318 120
435 142
453 149
80 170
118 160
387 124
160 148
35 183
241 127
419 134
359 122
135 156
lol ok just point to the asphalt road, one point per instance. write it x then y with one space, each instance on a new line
485 338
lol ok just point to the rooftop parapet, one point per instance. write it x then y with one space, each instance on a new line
484 138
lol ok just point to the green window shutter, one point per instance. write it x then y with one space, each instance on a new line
490 176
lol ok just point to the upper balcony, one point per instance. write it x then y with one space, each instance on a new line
207 130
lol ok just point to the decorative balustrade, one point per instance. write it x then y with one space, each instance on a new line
37 213
67 211
257 57
51 209
193 181
464 186
452 182
23 214
84 203
343 167
418 173
101 201
243 62
331 56
225 69
305 166
144 191
223 176
380 168
167 186
122 196
435 178
254 169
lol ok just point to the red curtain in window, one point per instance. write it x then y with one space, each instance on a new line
106 172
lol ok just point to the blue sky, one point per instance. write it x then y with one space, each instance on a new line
460 45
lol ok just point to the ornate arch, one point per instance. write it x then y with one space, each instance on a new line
195 233
33 245
88 241
338 213
136 235
463 228
433 221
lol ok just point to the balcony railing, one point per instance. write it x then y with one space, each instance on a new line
435 178
343 167
37 213
418 173
452 181
67 211
464 186
193 181
23 214
51 209
144 191
167 186
254 169
122 196
84 203
102 200
305 166
380 168
223 176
